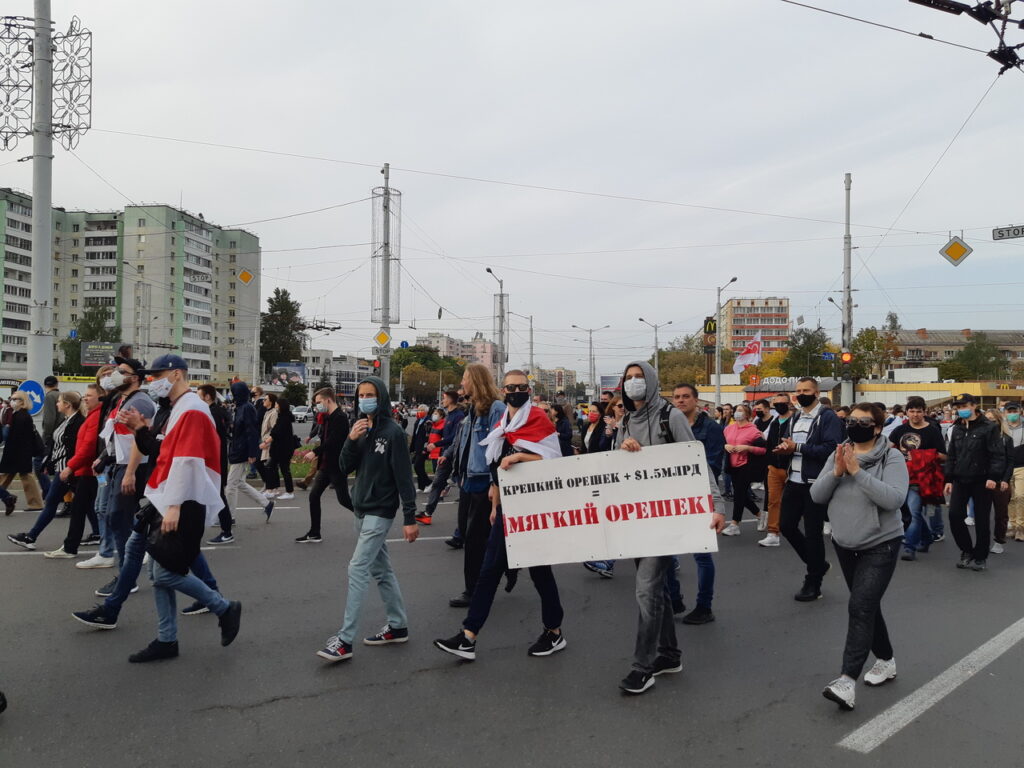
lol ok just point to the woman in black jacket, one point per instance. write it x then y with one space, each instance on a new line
282 447
564 429
592 434
22 444
1001 495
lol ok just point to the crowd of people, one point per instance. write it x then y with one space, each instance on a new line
151 469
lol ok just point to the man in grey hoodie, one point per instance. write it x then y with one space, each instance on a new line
651 420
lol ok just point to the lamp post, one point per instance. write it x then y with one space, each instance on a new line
501 323
718 343
590 337
530 318
656 326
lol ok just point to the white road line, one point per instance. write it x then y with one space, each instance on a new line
395 541
901 714
43 552
276 507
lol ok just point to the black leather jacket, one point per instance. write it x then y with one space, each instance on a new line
976 451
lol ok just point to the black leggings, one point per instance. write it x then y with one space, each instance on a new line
83 504
282 465
867 573
742 499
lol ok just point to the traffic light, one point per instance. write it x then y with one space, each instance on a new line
846 358
376 366
754 380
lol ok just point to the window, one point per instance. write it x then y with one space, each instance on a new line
142 223
141 268
74 302
74 317
142 238
74 273
140 253
232 244
74 242
74 227
74 287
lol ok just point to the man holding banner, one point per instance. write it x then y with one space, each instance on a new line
651 420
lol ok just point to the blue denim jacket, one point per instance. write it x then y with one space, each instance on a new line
477 472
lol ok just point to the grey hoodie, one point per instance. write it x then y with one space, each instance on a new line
864 509
644 424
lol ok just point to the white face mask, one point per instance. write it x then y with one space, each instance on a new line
635 389
107 383
116 378
435 417
161 387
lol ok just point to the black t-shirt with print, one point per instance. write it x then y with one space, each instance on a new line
908 438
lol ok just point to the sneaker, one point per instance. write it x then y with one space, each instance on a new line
996 548
731 529
269 509
454 543
909 555
826 529
637 682
969 521
97 561
424 520
271 493
938 537
1018 536
155 651
230 622
600 567
195 609
92 540
60 554
96 617
286 497
309 538
461 600
664 666
965 560
511 579
23 540
9 504
699 615
882 672
979 565
842 691
771 540
809 592
335 650
762 520
221 538
108 589
458 645
547 644
387 635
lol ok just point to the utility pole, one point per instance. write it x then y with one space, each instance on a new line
590 340
656 326
718 342
385 357
499 311
530 318
846 388
255 352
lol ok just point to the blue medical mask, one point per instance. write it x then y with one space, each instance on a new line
964 413
368 405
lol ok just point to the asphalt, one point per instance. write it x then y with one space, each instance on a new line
749 694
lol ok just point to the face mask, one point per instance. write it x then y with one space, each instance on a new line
635 389
435 417
739 416
806 400
964 413
860 434
1013 418
319 408
758 414
116 379
368 404
107 383
159 388
592 417
517 399
781 408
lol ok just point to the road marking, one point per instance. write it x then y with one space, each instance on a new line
276 507
901 714
394 541
43 552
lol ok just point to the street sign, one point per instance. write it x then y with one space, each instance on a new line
404 345
955 251
382 337
35 396
97 353
380 351
198 277
72 334
531 377
1008 233
245 277
828 355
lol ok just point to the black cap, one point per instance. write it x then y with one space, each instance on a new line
131 362
1012 405
166 363
966 397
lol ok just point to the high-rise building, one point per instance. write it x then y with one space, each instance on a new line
742 318
551 380
476 350
171 280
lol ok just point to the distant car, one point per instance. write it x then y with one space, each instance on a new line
301 413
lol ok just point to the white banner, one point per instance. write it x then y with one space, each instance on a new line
608 506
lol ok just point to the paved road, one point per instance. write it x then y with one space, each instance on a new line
749 694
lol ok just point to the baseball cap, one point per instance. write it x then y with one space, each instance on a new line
1013 405
166 363
966 397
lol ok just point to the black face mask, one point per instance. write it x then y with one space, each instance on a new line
806 400
517 399
860 434
781 408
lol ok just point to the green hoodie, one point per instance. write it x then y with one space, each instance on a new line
381 459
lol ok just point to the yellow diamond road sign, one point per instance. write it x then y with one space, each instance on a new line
955 251
245 277
382 338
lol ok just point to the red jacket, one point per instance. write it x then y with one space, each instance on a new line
434 439
85 445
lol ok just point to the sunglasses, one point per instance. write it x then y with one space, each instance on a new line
866 421
620 405
517 387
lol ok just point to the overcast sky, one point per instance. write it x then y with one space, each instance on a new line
759 107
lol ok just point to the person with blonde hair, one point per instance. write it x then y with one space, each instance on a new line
23 442
1001 495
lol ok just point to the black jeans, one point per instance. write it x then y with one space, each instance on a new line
742 499
809 545
85 500
962 491
475 524
419 461
441 475
494 565
320 482
867 573
280 467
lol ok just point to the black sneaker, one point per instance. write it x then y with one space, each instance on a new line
387 635
511 579
64 510
3 701
664 666
269 509
454 543
458 645
92 540
155 651
809 592
195 609
230 622
9 504
309 538
965 560
699 615
637 682
460 600
23 540
547 644
979 565
96 617
221 538
108 589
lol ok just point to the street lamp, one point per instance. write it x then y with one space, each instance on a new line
656 326
718 343
501 322
590 337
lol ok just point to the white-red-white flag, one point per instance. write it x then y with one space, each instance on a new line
751 355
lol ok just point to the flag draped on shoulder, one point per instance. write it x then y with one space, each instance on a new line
188 467
751 355
529 430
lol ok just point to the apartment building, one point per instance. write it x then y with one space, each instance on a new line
742 318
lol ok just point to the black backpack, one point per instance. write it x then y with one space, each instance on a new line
663 415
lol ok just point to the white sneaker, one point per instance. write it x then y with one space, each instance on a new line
826 529
271 493
59 554
146 558
771 540
996 548
881 672
842 691
97 561
762 520
731 530
286 496
969 521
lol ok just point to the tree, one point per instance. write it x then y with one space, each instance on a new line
950 369
873 351
282 332
892 323
295 393
982 359
771 364
430 360
803 358
419 383
91 326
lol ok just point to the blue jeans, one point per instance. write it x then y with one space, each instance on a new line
935 521
656 629
919 534
121 508
165 584
53 498
107 545
44 479
705 579
371 559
